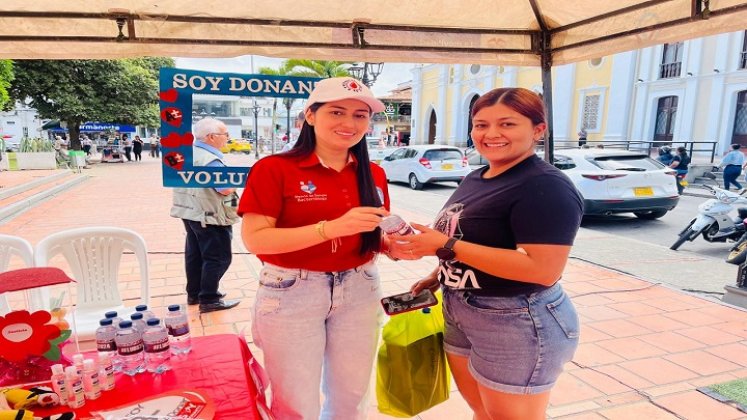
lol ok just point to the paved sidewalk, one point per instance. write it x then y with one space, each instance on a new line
645 348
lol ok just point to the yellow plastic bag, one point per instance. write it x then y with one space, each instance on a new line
411 370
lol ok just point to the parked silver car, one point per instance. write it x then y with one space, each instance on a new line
421 164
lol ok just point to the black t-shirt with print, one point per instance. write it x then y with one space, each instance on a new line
531 203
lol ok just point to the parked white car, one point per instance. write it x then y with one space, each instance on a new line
421 164
620 181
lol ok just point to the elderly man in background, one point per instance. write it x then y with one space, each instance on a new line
208 214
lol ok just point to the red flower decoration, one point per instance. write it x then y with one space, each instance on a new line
23 335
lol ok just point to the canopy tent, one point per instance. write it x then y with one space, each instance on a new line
519 32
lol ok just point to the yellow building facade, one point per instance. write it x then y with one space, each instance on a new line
689 91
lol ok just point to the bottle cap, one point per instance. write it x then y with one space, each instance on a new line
71 371
89 364
77 358
125 324
105 321
141 308
111 314
105 357
174 308
57 369
153 321
136 316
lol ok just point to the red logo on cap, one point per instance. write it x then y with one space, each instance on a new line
352 85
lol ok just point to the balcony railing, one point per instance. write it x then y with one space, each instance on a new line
669 70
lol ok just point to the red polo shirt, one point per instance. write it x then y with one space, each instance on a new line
302 191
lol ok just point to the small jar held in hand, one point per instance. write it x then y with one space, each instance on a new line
394 224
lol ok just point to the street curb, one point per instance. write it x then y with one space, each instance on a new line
15 209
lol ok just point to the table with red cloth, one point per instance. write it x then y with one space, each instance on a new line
217 366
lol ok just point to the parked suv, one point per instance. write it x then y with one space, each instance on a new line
619 181
421 164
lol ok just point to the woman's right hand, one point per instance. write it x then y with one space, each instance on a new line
426 283
356 220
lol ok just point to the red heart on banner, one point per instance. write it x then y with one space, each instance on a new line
176 140
172 116
169 95
174 160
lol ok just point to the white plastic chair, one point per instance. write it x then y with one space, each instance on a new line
94 254
10 246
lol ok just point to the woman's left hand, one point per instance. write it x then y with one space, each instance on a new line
419 245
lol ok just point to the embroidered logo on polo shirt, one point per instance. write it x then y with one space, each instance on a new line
308 188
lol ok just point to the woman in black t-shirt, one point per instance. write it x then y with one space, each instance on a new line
503 240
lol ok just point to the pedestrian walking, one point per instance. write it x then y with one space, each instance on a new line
509 326
311 216
127 145
732 164
86 143
155 146
208 215
680 164
137 148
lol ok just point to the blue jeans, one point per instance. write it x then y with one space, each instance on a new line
314 327
515 344
731 173
207 256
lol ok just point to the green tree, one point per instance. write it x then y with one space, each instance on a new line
6 77
76 91
317 68
303 68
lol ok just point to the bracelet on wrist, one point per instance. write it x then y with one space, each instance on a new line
320 229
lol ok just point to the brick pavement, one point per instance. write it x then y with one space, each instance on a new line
644 348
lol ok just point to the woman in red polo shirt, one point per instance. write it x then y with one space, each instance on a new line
311 215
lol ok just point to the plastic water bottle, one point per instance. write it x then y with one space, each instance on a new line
178 327
147 314
138 322
157 349
105 337
114 317
130 348
395 224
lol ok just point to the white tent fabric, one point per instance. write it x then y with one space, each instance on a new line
428 31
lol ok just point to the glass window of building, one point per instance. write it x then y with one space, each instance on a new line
671 61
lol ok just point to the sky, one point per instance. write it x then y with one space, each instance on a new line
391 75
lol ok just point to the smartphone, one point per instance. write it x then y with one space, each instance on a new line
405 302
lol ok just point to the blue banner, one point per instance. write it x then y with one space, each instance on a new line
176 89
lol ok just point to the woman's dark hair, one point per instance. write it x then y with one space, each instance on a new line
371 241
681 150
736 146
523 101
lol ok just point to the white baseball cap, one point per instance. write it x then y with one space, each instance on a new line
339 88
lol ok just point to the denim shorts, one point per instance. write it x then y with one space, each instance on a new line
515 344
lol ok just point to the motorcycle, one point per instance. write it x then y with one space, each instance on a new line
713 220
738 253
